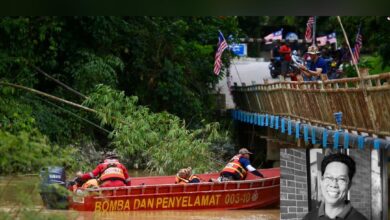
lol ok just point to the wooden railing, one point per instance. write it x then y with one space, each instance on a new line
364 102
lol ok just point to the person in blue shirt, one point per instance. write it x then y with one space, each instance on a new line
238 167
317 68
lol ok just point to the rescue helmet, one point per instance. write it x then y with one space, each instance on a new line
111 155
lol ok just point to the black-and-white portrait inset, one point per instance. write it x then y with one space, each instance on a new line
334 184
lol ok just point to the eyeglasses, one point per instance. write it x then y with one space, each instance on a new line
342 181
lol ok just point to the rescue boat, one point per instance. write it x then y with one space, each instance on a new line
160 193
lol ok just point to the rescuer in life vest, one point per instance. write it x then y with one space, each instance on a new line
111 173
238 167
185 176
79 184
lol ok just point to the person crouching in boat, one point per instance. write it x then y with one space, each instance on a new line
79 184
111 172
238 167
185 176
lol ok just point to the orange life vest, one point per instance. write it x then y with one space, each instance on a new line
234 167
112 170
180 180
92 183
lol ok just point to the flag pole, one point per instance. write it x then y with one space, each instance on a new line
314 30
349 46
362 83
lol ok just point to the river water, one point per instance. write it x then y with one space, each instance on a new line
19 198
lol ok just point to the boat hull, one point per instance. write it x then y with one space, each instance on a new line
247 194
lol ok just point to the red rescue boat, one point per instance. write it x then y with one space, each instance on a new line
160 193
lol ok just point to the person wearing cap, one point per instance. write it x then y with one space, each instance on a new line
285 52
185 176
111 172
238 167
337 173
317 68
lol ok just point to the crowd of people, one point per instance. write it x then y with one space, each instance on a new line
319 63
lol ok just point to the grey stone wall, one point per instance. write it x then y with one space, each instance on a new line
293 192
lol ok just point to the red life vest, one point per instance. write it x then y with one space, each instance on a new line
234 167
112 169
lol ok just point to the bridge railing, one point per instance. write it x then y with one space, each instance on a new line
364 102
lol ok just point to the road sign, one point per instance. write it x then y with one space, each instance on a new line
239 49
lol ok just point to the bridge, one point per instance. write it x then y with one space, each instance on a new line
307 110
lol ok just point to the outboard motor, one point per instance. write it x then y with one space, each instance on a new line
53 187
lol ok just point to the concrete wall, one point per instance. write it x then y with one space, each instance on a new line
293 192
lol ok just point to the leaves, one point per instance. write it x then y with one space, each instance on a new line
29 152
160 140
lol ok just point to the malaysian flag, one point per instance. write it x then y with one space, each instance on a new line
321 41
309 29
356 49
222 45
332 38
277 35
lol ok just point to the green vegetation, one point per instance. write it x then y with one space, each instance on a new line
162 63
161 140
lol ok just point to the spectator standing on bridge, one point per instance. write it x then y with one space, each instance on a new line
317 68
337 173
275 51
111 172
285 52
238 167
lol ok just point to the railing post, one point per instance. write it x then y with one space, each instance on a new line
367 98
267 86
286 100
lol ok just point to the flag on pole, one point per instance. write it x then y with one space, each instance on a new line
332 38
321 41
356 49
309 29
222 45
277 35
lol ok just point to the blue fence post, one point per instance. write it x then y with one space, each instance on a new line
313 135
297 130
262 120
324 138
376 144
346 140
305 133
336 140
361 142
